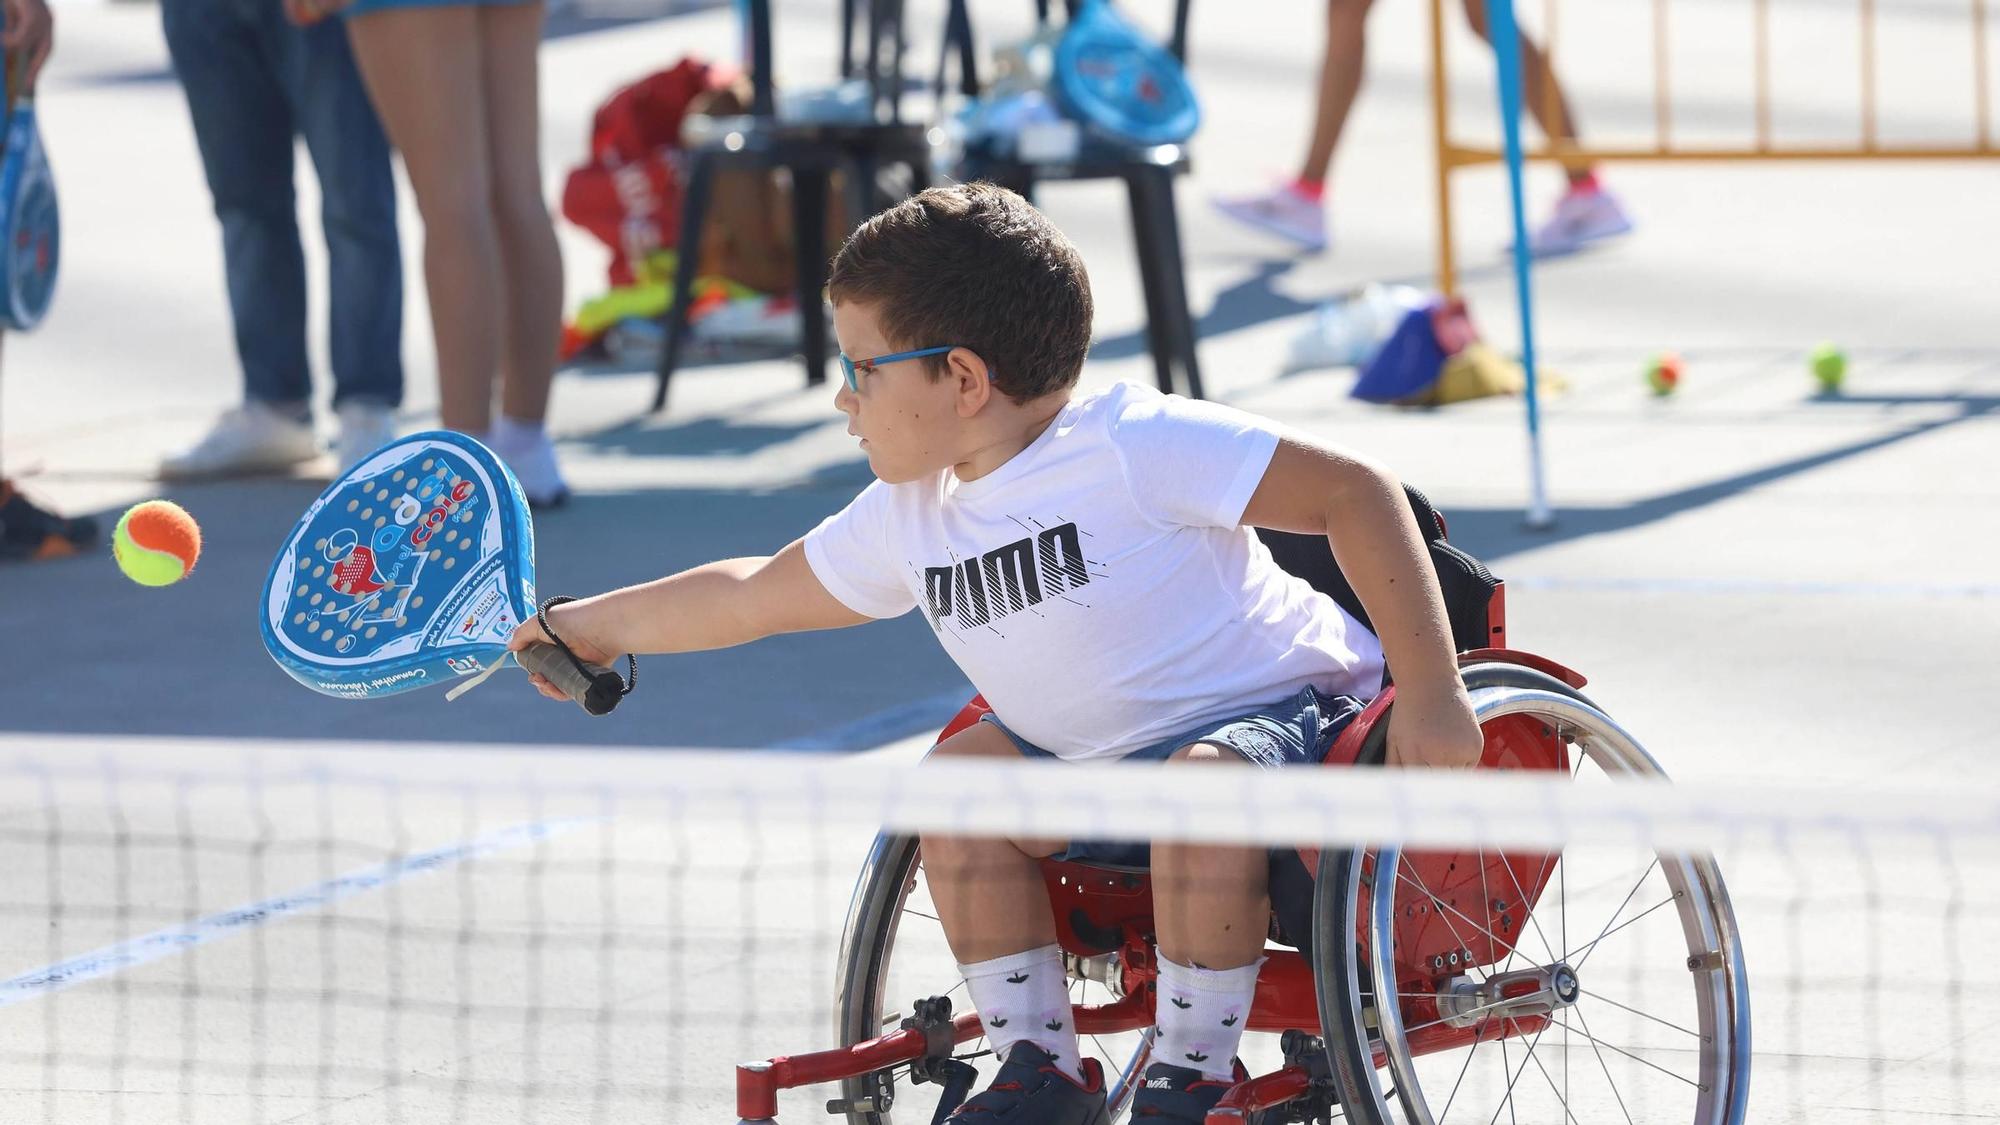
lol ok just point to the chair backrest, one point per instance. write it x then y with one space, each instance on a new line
1471 593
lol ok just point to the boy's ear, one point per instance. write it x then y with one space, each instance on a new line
972 379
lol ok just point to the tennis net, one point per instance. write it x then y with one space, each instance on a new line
199 931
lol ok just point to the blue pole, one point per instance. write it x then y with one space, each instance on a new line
1507 53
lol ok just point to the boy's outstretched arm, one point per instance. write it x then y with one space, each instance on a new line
1361 509
724 603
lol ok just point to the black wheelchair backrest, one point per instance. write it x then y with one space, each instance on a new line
1469 588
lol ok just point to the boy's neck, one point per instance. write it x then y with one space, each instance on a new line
1017 431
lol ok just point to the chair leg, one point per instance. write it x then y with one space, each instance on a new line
809 186
1176 287
1159 325
694 208
1166 228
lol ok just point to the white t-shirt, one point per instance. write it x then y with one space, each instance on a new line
1098 588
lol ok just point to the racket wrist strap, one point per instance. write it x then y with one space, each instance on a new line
631 679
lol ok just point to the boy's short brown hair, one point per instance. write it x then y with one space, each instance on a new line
975 266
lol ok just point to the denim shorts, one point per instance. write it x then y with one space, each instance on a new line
1296 732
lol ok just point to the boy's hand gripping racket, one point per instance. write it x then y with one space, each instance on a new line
413 569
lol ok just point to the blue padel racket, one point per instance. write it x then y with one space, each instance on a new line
412 570
30 224
1111 77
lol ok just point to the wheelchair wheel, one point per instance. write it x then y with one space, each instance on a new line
893 953
1598 984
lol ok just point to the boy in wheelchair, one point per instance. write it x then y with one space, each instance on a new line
1090 563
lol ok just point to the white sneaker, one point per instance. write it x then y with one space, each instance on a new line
364 428
1283 212
253 438
1582 216
534 465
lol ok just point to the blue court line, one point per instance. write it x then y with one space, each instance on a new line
1759 586
174 939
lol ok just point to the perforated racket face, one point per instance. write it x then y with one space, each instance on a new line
1113 78
32 227
411 570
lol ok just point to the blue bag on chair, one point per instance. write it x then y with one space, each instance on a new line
1124 86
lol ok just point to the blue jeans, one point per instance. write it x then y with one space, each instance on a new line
254 82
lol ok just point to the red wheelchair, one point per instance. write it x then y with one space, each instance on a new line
1594 985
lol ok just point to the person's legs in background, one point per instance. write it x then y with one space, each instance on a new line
1297 211
422 70
427 74
1586 212
510 42
229 57
365 265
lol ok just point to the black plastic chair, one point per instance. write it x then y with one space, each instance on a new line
1148 171
812 150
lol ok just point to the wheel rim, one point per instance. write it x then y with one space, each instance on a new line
1664 1040
895 954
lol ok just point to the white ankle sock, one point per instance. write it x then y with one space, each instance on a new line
1026 997
1201 1014
512 436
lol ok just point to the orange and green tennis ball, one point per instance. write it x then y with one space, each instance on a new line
156 543
1663 373
1829 366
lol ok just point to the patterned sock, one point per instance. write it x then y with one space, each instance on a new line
1026 997
1200 1016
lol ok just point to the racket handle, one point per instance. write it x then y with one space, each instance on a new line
596 690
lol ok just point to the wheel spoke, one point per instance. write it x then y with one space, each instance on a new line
921 914
1478 1035
1592 947
1606 1067
1540 873
1595 1042
1637 1012
1504 1064
1561 1099
1621 906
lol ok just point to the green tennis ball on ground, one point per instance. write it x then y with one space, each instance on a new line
1663 373
1829 366
156 543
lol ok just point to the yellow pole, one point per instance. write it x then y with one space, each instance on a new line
1447 272
1662 97
1983 111
1764 74
1868 75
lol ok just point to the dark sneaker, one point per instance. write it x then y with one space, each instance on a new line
1031 1090
28 532
1179 1094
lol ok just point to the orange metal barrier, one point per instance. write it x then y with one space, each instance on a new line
1453 155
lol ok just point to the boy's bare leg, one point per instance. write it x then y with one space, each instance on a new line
989 893
1211 905
1340 72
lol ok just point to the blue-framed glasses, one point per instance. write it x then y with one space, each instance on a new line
855 368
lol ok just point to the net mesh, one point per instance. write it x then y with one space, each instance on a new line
199 932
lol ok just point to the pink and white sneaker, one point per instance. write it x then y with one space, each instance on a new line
1585 214
1287 212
